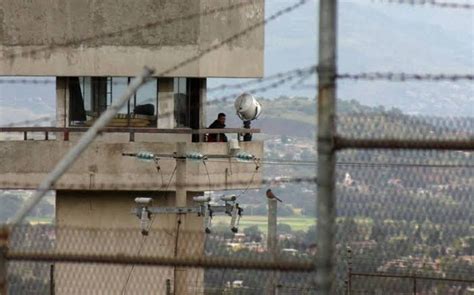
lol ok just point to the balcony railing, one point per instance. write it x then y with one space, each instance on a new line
65 131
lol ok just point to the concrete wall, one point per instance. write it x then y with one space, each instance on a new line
92 222
102 166
119 37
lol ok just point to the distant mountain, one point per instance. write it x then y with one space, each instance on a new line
295 116
382 37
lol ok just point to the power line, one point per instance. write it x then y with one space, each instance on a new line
148 185
301 163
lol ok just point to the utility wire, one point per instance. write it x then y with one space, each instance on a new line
351 163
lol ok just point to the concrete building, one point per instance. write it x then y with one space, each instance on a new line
93 48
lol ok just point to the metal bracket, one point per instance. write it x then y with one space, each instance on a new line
230 208
168 210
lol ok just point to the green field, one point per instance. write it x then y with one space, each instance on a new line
39 220
296 223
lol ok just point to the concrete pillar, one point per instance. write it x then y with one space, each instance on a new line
203 108
272 226
62 101
166 103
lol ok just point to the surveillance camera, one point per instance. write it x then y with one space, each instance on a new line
145 221
228 198
201 199
143 201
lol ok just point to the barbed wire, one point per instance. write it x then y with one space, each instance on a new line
279 75
274 85
302 73
287 77
128 30
435 3
401 77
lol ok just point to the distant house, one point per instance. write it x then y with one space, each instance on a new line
234 246
360 246
237 284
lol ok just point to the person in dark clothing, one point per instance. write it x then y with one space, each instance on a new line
218 124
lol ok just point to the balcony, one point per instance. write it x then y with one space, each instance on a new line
28 159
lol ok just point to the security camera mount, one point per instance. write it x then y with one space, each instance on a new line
144 211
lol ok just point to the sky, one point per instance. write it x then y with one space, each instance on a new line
383 37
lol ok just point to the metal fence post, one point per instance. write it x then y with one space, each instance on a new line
51 280
325 145
3 260
180 274
414 284
349 270
272 241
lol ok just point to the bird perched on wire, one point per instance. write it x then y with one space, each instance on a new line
271 196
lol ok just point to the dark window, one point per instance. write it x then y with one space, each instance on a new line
90 96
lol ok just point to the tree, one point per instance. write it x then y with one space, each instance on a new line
377 233
283 228
253 233
347 230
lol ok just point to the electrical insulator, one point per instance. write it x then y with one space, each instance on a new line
243 156
145 156
195 156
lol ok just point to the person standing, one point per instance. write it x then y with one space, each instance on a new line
219 123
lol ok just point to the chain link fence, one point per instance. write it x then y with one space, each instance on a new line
50 260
